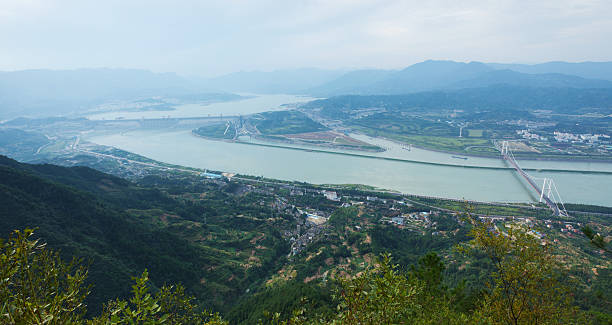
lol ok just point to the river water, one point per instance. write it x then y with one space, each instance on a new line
254 104
182 148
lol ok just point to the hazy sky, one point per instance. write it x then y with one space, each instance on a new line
214 37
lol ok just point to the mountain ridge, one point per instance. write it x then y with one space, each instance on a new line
432 75
40 92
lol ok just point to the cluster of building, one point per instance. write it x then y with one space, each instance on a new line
525 134
303 237
313 216
413 221
565 227
564 137
528 124
376 199
580 138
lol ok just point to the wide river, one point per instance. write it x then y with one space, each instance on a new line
182 148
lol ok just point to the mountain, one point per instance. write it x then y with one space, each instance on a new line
121 228
428 75
79 224
349 82
444 75
55 92
20 144
228 242
278 82
422 76
590 70
60 92
496 98
545 80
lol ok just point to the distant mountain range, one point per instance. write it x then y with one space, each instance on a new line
495 98
50 92
590 70
276 82
56 92
442 75
425 76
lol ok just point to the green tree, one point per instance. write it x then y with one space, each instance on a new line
596 239
384 295
169 305
599 241
36 286
588 231
526 286
429 270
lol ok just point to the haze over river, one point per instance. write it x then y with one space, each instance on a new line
182 148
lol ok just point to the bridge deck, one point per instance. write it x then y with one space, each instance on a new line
535 186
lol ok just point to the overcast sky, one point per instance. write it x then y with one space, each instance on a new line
215 37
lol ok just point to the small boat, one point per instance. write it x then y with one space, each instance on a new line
459 157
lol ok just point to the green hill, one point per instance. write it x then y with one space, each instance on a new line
121 229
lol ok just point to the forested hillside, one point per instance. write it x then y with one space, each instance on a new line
497 98
121 229
255 250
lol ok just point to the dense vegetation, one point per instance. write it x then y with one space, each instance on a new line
121 229
37 287
21 144
496 98
227 244
225 131
284 122
524 289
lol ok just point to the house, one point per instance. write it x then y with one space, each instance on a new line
399 220
210 175
331 195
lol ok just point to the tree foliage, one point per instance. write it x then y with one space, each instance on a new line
170 305
37 287
596 239
526 286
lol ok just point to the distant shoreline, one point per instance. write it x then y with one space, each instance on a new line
605 161
403 160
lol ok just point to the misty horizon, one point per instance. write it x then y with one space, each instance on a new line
300 68
208 39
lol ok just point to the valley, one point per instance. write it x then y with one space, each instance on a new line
256 203
231 239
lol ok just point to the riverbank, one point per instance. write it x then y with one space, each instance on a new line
516 155
181 147
415 161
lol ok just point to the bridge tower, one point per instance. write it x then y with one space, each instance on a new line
504 148
546 188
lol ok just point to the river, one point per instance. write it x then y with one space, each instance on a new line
254 104
182 148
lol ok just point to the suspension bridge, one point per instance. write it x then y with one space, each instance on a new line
548 192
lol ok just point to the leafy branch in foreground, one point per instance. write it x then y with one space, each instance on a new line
169 305
526 286
37 287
